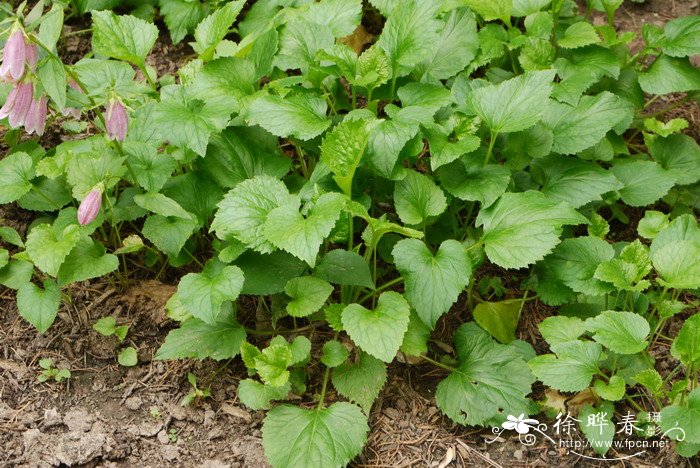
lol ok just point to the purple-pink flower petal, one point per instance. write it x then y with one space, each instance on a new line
22 102
30 53
116 120
13 58
10 102
90 207
36 117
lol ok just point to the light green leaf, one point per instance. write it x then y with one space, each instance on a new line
622 332
162 205
334 353
579 127
342 150
573 367
614 390
500 319
433 282
515 104
443 150
378 332
521 228
168 234
39 306
188 123
16 274
128 357
578 35
341 16
300 41
4 258
493 9
87 260
273 362
644 181
211 31
574 263
678 154
670 75
332 436
196 339
52 75
257 396
684 416
560 329
407 32
302 117
243 211
288 230
203 293
360 382
122 37
16 173
682 37
152 169
491 380
572 180
468 179
678 265
417 198
180 16
650 379
343 267
598 426
308 295
415 341
48 248
300 348
686 346
456 48
652 223
528 7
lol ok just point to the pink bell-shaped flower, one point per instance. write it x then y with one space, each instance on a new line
14 56
17 105
90 207
36 116
30 52
116 120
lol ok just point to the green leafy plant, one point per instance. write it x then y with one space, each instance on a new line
50 372
193 395
483 150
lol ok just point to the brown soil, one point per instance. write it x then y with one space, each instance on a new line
108 415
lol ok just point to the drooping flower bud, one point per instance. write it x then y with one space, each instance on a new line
30 53
116 120
14 56
17 105
90 207
36 116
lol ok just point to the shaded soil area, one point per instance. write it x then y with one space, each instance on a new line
109 415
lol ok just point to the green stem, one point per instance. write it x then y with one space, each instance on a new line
490 150
393 87
438 364
380 288
326 373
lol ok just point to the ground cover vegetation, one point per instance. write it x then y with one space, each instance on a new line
363 187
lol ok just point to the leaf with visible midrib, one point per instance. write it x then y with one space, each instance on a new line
515 104
433 282
329 437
